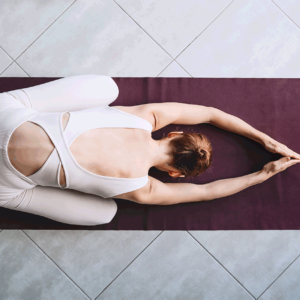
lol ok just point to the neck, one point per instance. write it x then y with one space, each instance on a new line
159 159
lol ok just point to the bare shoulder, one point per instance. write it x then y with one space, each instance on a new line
158 114
140 195
143 111
165 113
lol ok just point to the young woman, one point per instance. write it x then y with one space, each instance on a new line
66 152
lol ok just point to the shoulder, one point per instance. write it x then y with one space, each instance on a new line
140 195
162 114
143 111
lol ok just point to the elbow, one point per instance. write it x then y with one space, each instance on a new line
111 86
152 200
212 114
206 193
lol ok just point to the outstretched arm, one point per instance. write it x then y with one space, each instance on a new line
173 193
71 93
192 114
234 124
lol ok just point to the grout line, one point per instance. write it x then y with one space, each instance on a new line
218 261
174 59
6 53
203 30
169 64
46 29
154 41
10 62
6 68
284 13
18 66
182 66
279 276
129 264
55 264
22 69
144 30
164 68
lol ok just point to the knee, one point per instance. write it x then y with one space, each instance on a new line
112 211
108 85
107 216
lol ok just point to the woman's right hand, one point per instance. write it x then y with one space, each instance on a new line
274 167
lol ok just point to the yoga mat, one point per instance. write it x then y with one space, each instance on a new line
269 105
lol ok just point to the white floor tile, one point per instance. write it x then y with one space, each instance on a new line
287 286
173 70
291 8
94 37
256 257
173 23
175 266
26 273
21 22
5 60
14 71
92 258
251 38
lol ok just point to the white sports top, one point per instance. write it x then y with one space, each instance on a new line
78 178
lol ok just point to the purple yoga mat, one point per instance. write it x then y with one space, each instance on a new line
270 105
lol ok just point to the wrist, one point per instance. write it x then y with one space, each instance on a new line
261 176
263 138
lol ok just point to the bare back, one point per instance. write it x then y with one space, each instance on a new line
113 152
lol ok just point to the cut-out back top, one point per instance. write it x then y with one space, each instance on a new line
78 178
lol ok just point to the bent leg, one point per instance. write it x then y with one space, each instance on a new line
71 93
66 94
66 206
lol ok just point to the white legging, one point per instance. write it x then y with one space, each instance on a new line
16 190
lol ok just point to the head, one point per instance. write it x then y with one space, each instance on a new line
189 153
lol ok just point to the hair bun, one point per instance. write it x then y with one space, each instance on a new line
202 153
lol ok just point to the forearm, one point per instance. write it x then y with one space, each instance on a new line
236 125
225 187
73 93
174 193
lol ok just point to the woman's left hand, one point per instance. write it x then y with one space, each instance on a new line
276 147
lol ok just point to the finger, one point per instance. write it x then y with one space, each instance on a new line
295 155
284 151
292 162
288 152
291 153
285 159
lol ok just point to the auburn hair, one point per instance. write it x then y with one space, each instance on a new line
191 153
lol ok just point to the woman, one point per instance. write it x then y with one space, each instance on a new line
61 151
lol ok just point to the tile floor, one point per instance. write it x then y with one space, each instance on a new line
153 38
